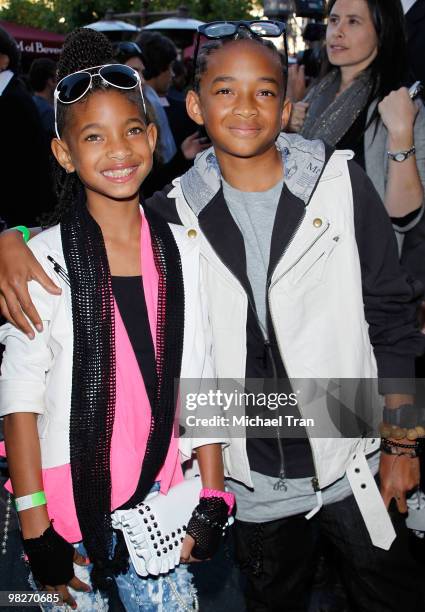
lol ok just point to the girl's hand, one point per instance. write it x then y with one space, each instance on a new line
185 554
398 113
17 267
51 560
74 583
298 115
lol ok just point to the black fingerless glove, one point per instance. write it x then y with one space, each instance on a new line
207 526
50 558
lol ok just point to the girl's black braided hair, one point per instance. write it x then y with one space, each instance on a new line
83 48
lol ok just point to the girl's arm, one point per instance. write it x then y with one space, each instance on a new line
210 460
24 461
404 191
17 267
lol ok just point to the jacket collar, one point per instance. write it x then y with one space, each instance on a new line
305 162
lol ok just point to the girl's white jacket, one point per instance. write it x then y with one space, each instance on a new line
36 375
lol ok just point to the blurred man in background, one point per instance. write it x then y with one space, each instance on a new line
42 79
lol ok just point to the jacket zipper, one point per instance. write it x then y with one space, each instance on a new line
61 272
280 484
314 480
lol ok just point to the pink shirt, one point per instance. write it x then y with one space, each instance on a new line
131 424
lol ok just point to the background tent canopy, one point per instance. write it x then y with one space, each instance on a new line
33 40
34 43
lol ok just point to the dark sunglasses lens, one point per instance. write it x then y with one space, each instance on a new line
264 28
119 75
73 87
218 30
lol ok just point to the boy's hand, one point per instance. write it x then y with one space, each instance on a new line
398 476
18 266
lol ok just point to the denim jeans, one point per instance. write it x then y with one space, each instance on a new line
279 558
137 594
173 592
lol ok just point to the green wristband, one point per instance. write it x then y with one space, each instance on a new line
30 501
26 234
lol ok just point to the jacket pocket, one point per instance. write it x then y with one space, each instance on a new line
310 270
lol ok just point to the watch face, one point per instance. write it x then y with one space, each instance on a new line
400 157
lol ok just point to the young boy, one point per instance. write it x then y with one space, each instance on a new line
302 276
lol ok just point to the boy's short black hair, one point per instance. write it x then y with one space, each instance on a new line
210 47
40 72
9 47
159 52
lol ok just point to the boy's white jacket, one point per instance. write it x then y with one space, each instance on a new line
317 310
36 375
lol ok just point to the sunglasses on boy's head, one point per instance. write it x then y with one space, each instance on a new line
230 29
74 86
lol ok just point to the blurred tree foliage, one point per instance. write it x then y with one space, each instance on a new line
64 15
209 10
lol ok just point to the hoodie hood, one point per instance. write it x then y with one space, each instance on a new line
304 162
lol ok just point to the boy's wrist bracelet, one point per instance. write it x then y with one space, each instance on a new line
399 433
397 448
30 501
406 421
26 234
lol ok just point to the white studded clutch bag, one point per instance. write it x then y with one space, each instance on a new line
154 530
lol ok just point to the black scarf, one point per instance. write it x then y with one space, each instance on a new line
93 375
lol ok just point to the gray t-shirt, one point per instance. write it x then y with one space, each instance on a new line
254 213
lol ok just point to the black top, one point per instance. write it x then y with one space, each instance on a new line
354 139
130 298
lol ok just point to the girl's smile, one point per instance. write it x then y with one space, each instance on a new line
120 173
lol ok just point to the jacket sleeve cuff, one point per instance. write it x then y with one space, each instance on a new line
188 445
396 373
21 396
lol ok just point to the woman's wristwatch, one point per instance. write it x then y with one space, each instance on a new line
401 156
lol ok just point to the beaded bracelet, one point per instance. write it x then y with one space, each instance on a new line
393 448
398 433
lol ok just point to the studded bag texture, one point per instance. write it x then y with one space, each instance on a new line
155 529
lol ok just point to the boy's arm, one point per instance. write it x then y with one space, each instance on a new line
391 301
17 267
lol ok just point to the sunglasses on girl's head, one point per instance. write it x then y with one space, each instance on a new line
74 86
230 29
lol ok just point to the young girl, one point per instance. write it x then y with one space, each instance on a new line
89 404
